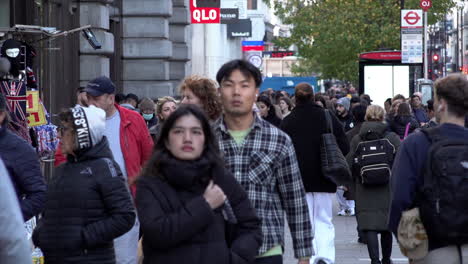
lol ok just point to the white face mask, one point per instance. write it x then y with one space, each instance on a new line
12 53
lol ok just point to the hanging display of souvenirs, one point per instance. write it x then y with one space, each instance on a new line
15 94
19 86
38 117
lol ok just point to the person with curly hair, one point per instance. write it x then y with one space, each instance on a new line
202 92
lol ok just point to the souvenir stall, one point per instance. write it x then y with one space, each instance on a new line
29 118
19 83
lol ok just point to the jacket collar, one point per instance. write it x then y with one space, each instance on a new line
309 104
220 124
125 121
100 150
379 128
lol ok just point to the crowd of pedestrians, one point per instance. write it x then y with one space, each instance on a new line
213 174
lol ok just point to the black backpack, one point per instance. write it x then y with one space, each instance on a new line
373 160
443 198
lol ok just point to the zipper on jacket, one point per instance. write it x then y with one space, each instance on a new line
438 206
375 169
375 154
375 166
126 138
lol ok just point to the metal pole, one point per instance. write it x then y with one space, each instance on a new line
425 46
462 41
445 44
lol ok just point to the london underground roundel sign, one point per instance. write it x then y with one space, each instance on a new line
412 18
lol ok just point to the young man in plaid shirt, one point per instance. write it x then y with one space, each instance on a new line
263 160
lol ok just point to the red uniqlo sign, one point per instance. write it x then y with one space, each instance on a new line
425 4
205 12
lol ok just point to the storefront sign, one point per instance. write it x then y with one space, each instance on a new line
278 54
241 28
205 11
229 15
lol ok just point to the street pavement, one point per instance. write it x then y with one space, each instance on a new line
348 250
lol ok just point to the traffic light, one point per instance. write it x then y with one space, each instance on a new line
435 58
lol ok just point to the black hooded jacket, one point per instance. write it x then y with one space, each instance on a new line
23 166
398 125
179 226
88 206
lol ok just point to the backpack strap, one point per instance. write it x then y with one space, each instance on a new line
407 130
433 134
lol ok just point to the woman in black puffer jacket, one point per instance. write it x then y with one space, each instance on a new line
402 119
190 208
88 203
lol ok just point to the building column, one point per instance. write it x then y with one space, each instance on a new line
180 65
94 63
146 47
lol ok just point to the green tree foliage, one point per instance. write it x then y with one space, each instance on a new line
330 34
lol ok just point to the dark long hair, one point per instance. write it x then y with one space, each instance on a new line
404 109
160 152
271 109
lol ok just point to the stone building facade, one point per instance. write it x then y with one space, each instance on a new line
145 44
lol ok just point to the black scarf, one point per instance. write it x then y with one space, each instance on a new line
188 175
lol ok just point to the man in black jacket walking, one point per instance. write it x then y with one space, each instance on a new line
343 113
305 125
22 164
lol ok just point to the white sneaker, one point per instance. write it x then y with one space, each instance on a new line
350 212
342 213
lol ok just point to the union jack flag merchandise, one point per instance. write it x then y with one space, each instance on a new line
15 94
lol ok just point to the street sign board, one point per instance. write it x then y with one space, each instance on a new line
411 36
411 18
205 11
425 4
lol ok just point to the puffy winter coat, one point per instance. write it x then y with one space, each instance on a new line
179 226
372 202
398 125
14 246
88 205
22 164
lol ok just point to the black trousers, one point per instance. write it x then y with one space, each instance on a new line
270 260
373 245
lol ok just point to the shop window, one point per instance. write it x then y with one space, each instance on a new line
5 13
252 4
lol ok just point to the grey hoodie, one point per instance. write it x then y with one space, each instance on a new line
14 246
